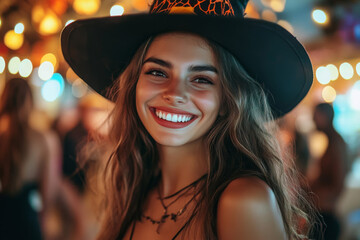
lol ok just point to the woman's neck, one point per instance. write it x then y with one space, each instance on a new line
180 166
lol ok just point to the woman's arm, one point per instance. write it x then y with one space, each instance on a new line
248 210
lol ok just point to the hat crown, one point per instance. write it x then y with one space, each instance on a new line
200 7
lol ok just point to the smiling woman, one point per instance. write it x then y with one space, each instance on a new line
178 79
194 155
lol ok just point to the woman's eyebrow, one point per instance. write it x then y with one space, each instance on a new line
202 68
158 61
192 68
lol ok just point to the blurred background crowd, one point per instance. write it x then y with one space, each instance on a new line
49 113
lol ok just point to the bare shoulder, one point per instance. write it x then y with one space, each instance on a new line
248 209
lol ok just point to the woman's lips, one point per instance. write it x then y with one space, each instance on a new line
172 118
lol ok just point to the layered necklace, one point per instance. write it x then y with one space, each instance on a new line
173 216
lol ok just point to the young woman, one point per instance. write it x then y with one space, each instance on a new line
194 154
23 164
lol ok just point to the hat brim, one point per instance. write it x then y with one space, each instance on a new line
98 49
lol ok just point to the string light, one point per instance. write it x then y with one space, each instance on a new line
25 68
116 10
13 40
19 28
2 65
50 24
323 75
333 71
14 65
86 7
319 16
46 70
354 96
346 70
329 94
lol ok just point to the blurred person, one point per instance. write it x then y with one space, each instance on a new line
93 110
23 164
329 183
77 207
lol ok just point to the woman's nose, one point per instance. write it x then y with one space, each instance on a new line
175 93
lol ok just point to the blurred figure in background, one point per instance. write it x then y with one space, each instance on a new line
23 164
329 183
93 111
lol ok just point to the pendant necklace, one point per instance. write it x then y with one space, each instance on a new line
173 216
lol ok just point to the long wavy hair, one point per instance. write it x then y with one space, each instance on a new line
15 106
240 143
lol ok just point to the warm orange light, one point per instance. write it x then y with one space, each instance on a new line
269 15
278 5
13 40
329 94
140 5
86 7
50 24
37 13
49 57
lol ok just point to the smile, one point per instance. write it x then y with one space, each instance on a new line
171 118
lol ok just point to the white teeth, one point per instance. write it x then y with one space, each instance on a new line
172 117
168 117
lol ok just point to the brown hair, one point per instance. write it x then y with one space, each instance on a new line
240 143
15 106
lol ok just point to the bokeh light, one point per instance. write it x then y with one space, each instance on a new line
357 31
278 5
116 10
71 75
0 22
358 68
79 88
46 70
59 78
14 64
354 96
50 57
50 24
37 13
319 16
35 79
13 40
323 75
50 91
143 6
346 70
329 94
86 7
333 71
269 15
2 65
25 68
19 28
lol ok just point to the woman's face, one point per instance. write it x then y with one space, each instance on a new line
178 92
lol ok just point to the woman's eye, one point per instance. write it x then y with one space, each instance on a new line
156 73
203 80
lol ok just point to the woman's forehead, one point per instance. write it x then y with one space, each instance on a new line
182 46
